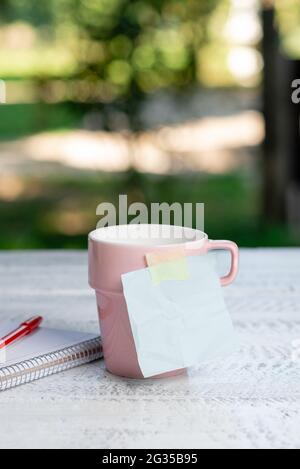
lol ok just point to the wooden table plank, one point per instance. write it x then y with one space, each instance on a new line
250 400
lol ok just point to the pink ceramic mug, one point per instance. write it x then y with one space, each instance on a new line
114 251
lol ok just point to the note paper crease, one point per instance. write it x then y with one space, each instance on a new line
178 323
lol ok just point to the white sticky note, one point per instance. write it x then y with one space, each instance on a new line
178 323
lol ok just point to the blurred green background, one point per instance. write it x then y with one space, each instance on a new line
157 99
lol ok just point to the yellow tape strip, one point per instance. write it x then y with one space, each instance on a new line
167 265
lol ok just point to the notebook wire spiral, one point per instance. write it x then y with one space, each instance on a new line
49 364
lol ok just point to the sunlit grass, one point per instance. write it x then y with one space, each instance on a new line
58 212
19 120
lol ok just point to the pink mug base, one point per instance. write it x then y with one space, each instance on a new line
169 374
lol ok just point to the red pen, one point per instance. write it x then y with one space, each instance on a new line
24 329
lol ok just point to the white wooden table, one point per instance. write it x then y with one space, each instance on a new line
251 400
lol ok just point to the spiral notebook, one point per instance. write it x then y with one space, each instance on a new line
43 353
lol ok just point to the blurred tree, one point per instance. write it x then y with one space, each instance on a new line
124 49
282 143
133 48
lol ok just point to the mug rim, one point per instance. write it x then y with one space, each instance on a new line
140 244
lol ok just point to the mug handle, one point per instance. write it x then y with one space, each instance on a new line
234 251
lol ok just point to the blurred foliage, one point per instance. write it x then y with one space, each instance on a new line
111 51
134 48
55 211
288 12
112 54
34 12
